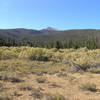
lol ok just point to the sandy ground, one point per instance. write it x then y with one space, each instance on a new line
68 86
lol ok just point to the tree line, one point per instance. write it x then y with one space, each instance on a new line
91 43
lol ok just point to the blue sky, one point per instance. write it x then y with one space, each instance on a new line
61 14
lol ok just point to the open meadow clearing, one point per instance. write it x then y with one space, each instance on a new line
28 73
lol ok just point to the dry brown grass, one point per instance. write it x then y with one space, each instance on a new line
66 86
25 79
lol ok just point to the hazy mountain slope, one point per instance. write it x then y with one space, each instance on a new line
49 35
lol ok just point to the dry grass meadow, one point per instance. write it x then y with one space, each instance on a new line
28 73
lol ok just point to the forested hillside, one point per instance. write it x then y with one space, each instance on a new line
50 38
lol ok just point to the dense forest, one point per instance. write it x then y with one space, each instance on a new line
50 38
89 43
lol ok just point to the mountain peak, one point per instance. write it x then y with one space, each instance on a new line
51 29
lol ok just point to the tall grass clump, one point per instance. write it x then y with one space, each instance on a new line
40 54
83 56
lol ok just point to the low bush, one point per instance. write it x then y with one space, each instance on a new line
10 78
41 80
54 97
88 87
37 94
25 88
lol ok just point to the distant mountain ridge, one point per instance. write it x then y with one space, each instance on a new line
48 34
